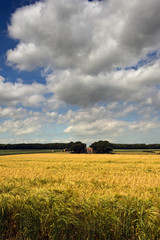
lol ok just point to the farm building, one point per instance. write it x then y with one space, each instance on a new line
89 150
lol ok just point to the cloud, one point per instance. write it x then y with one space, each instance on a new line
19 121
19 93
141 30
83 43
53 33
14 113
132 85
21 127
112 122
93 121
2 79
92 37
99 127
145 125
87 47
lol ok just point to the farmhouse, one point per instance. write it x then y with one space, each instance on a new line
89 150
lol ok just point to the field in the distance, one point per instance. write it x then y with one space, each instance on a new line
70 196
26 151
117 151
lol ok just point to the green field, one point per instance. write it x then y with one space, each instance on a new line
27 151
136 151
117 151
80 196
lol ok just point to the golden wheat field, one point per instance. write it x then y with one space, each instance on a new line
133 175
84 183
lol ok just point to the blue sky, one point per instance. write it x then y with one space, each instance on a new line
79 70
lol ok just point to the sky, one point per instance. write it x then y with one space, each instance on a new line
79 70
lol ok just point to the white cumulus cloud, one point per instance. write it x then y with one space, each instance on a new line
86 46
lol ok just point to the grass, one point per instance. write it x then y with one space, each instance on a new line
26 151
136 151
70 196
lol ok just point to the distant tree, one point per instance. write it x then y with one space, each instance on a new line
102 147
77 147
70 146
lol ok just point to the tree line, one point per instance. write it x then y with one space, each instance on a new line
79 147
34 146
135 146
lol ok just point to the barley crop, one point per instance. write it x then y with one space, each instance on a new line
79 197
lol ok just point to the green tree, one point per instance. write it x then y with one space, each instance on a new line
77 147
102 147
